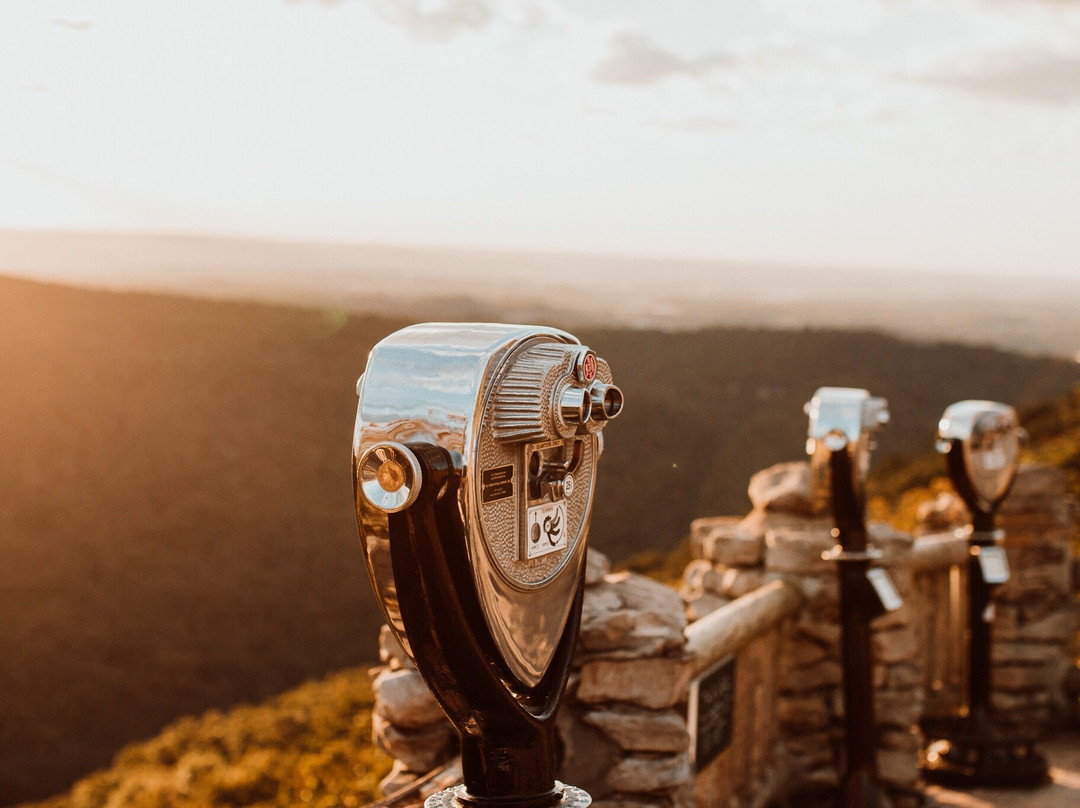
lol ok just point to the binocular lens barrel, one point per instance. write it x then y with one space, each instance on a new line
575 405
607 401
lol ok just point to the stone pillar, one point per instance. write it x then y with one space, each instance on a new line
783 538
407 723
1036 611
622 721
622 724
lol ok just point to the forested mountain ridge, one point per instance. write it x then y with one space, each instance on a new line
313 744
310 746
176 515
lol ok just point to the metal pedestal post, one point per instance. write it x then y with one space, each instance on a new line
507 735
860 787
972 750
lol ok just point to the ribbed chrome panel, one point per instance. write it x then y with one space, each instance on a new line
523 409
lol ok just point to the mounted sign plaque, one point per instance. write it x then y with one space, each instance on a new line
994 565
711 713
883 587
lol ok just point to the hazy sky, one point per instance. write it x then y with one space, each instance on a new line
937 134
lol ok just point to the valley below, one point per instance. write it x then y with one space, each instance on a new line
176 516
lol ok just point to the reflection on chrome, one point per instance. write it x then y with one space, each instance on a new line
842 418
607 401
520 409
389 477
989 435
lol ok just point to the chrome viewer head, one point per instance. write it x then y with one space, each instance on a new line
842 419
520 410
989 436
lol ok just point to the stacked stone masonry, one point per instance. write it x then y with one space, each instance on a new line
1036 616
623 720
407 722
623 728
782 538
622 724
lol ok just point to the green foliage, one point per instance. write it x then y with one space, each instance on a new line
660 565
1054 432
311 746
899 485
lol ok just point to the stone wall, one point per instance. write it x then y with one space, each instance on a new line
622 726
782 538
623 719
407 722
744 638
1036 611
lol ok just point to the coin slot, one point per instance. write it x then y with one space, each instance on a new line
548 466
575 457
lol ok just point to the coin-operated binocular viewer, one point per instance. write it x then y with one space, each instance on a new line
474 462
843 422
981 442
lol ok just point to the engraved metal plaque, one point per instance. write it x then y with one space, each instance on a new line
711 712
497 483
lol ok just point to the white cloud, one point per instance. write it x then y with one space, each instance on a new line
734 129
695 124
436 20
828 16
71 25
1026 76
633 59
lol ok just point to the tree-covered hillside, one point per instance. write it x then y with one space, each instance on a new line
900 485
310 746
176 516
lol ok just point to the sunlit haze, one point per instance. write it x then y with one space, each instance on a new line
857 133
